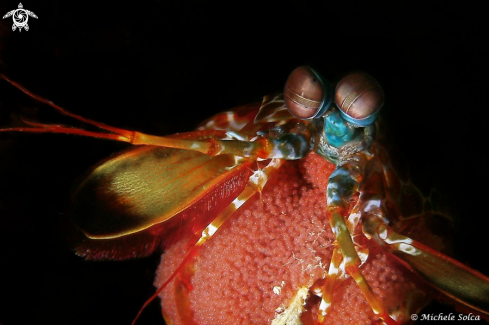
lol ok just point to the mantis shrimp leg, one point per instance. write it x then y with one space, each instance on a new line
343 183
464 285
256 183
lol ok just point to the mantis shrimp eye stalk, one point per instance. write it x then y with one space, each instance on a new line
307 96
359 98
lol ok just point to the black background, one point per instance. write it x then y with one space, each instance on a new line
162 66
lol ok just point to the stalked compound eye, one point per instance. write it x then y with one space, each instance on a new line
307 96
359 98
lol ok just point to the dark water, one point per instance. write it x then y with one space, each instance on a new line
161 67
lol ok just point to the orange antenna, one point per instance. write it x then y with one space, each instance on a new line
117 133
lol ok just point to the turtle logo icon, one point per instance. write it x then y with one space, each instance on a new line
20 17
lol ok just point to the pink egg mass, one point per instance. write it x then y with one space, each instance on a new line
263 264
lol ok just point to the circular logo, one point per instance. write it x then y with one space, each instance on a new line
20 17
